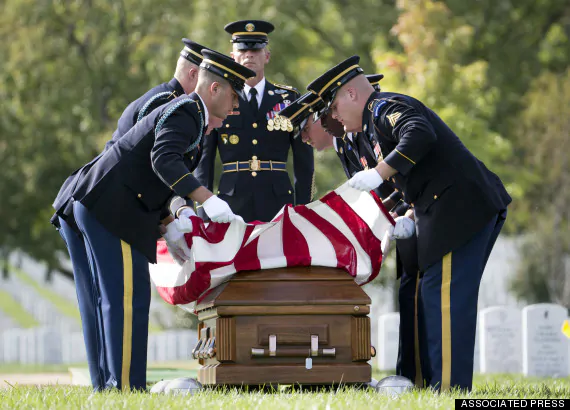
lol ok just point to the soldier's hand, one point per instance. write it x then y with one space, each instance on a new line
218 210
183 222
176 243
404 228
366 180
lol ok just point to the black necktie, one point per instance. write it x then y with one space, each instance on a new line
253 101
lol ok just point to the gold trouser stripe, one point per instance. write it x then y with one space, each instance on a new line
127 315
446 322
419 379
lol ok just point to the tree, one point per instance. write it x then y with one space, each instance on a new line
544 272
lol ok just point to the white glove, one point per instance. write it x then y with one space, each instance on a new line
183 222
218 210
404 228
366 180
176 243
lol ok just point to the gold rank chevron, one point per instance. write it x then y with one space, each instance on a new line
393 118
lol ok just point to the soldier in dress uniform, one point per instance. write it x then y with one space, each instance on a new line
357 153
120 202
254 179
183 82
458 205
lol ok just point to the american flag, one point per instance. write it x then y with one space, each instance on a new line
345 229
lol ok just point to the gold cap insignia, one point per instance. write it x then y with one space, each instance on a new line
249 27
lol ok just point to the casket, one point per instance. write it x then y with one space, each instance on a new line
305 325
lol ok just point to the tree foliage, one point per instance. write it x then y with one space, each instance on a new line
70 67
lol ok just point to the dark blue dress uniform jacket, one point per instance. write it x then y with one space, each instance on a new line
138 108
453 194
259 195
128 188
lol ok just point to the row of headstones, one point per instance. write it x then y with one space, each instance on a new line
50 345
530 342
41 309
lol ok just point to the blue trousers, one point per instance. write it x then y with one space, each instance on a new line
412 349
88 301
123 282
449 294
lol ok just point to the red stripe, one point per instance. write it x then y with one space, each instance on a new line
366 238
295 246
345 252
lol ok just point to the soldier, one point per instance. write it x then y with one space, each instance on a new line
458 205
254 178
120 202
183 82
357 153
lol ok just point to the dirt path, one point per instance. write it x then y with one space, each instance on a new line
34 379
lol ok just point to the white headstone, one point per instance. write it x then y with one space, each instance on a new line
48 345
151 349
388 334
477 350
500 340
545 348
11 343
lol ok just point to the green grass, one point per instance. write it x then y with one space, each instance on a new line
343 398
11 308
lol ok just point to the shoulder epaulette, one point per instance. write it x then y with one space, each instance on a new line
286 87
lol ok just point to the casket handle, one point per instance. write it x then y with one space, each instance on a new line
314 350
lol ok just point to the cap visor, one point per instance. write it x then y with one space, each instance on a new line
250 46
239 92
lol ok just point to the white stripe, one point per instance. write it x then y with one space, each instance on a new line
363 263
223 251
321 249
258 230
270 248
167 275
365 206
221 275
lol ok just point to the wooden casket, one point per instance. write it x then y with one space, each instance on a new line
305 325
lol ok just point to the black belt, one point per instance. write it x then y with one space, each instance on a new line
254 165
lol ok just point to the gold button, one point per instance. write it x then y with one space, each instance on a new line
227 125
254 174
254 125
218 192
289 191
254 157
435 197
254 142
139 196
192 158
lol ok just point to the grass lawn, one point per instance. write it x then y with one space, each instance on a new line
345 398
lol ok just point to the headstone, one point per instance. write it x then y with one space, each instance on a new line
73 348
151 349
49 346
11 343
500 340
477 350
545 348
388 334
187 339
